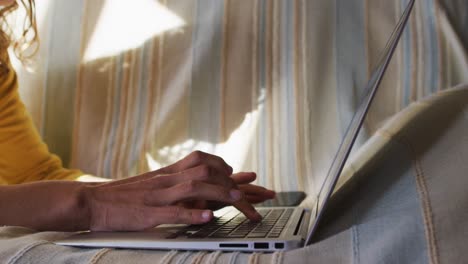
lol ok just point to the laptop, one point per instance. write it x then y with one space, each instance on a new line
282 228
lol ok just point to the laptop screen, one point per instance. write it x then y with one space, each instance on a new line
356 123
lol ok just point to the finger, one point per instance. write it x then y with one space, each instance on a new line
192 190
180 215
256 199
265 195
202 173
197 158
128 217
248 210
252 189
194 159
244 177
242 205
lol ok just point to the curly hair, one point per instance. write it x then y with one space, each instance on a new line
25 44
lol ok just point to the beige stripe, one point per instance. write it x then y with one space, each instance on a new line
107 117
275 106
78 94
169 125
307 104
298 90
154 87
136 134
268 91
254 258
120 130
158 94
255 77
155 113
154 71
159 87
233 257
76 117
123 128
122 161
99 255
198 258
213 257
23 251
237 79
139 68
128 117
142 164
168 257
223 71
277 257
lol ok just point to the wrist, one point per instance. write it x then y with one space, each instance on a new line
83 207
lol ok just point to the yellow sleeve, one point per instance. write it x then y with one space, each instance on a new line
24 157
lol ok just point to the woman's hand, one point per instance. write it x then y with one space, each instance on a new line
135 203
252 193
154 198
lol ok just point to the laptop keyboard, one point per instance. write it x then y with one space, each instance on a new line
234 224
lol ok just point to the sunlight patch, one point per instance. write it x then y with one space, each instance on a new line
125 25
234 150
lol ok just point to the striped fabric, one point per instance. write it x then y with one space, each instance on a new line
404 201
269 85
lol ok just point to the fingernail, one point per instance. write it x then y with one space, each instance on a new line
206 215
235 194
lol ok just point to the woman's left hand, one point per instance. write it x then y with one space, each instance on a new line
253 193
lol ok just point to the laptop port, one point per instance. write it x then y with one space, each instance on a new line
233 245
279 245
261 245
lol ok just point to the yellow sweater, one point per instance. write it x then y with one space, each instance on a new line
23 155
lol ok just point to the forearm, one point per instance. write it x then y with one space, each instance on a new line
48 205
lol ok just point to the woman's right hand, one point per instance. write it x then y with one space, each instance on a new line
178 194
153 198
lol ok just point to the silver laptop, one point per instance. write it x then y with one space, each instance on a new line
282 228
